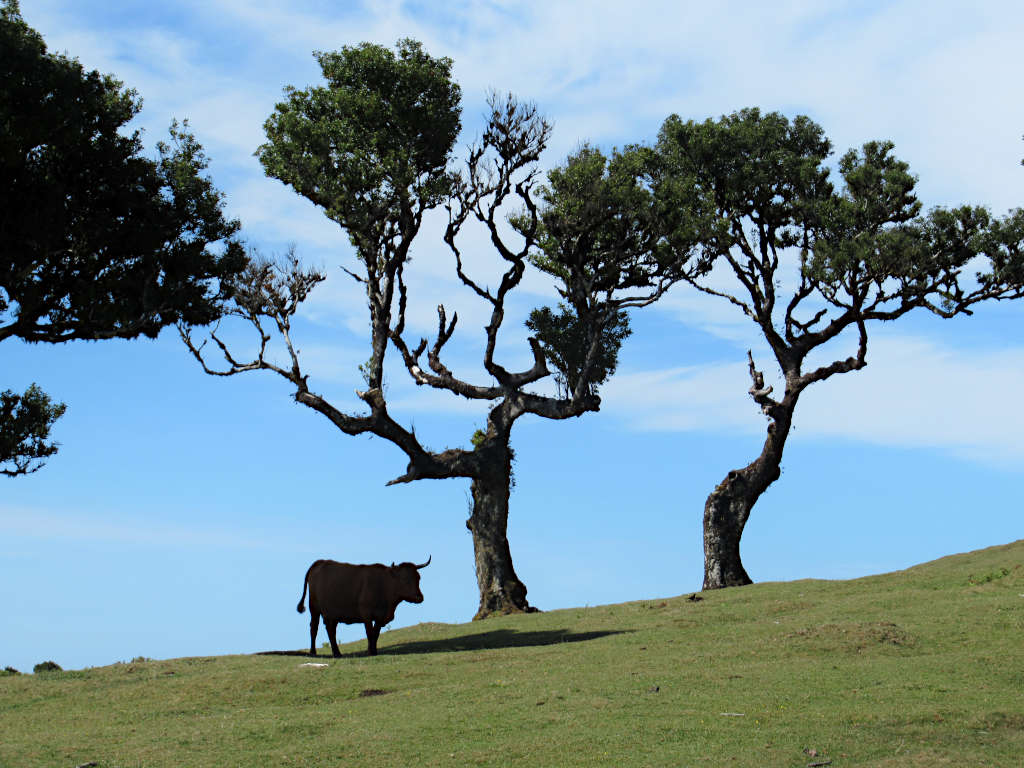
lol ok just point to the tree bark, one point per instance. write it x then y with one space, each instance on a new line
728 507
501 591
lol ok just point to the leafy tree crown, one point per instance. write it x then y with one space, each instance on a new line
25 422
97 241
372 146
566 341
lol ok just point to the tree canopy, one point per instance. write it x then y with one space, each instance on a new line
96 240
24 430
611 245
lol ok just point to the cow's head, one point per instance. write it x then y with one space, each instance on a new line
407 581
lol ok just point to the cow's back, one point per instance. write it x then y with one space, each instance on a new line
351 594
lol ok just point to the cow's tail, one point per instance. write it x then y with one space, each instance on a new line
301 608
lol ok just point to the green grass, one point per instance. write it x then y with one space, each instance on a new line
924 667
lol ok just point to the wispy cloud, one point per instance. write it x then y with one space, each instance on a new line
610 75
682 399
136 530
920 392
915 392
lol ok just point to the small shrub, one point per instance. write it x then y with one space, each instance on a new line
140 659
47 666
8 671
988 577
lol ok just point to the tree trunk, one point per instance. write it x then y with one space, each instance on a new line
501 591
728 507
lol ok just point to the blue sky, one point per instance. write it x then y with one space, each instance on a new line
182 510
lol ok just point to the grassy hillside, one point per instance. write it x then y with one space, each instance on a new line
924 667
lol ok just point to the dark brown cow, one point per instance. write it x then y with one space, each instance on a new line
357 594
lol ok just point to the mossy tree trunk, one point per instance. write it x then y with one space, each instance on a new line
501 591
728 507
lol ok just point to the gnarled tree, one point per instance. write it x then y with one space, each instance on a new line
586 228
372 149
757 190
96 241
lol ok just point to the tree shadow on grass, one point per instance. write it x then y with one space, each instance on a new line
497 638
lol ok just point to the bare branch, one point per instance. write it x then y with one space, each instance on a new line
556 408
455 222
353 275
758 390
804 328
511 145
442 378
728 296
444 333
806 288
747 275
853 363
402 302
453 462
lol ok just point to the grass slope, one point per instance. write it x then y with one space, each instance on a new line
923 667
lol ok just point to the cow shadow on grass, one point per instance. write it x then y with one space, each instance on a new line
480 641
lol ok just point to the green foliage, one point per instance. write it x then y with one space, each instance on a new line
873 231
755 184
47 666
602 230
9 671
912 668
988 577
1001 243
743 165
611 244
372 147
567 341
95 240
25 422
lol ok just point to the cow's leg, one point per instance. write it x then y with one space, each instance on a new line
332 635
314 625
371 650
372 631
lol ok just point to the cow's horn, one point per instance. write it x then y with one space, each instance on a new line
426 563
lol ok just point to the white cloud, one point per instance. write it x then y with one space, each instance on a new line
683 399
611 75
81 526
608 75
919 392
426 400
712 314
915 392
